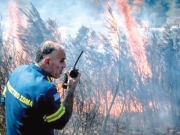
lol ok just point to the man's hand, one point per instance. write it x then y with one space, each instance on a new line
71 86
72 82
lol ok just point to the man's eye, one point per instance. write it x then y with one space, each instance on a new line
63 60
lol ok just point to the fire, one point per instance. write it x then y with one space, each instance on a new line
135 39
15 19
122 104
135 36
128 103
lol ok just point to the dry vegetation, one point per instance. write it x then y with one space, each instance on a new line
112 98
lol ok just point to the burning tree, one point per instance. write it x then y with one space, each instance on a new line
129 100
121 91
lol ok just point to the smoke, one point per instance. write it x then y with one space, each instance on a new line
87 12
173 14
73 14
21 3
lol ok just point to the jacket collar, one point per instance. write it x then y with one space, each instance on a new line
39 69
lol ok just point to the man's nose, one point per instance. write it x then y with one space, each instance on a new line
64 65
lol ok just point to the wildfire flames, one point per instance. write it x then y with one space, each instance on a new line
135 38
15 19
122 104
117 89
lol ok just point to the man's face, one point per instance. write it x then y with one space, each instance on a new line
57 63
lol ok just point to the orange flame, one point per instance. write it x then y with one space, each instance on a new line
135 38
122 104
15 19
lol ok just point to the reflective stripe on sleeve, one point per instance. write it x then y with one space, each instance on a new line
4 92
49 79
55 116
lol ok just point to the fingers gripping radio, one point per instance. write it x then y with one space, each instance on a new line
73 73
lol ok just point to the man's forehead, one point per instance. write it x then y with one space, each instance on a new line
62 55
58 55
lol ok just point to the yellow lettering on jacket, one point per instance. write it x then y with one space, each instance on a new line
13 91
21 98
25 101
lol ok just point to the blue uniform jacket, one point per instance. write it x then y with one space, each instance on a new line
32 103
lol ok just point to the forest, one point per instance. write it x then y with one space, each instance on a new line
129 85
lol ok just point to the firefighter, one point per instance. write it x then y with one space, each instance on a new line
32 103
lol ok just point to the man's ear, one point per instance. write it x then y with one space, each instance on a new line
46 61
